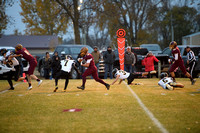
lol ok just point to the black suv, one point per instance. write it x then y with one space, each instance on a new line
70 49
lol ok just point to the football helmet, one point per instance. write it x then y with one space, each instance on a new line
114 71
84 51
69 57
172 45
163 74
18 47
3 51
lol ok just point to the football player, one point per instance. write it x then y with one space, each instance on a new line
121 74
66 67
13 63
19 50
88 61
178 62
168 82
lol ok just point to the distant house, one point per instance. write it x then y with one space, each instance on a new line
192 39
35 44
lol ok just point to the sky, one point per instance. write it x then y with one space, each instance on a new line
17 23
16 19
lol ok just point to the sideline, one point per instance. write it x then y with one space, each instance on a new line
4 91
147 111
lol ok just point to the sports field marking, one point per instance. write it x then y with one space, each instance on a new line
147 111
8 89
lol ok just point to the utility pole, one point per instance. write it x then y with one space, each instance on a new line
171 22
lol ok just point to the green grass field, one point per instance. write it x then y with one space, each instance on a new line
117 110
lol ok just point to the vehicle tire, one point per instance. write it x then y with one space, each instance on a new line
74 74
42 71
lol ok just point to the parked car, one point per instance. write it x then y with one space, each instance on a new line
5 68
182 48
70 49
154 48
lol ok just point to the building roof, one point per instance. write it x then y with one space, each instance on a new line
30 41
194 34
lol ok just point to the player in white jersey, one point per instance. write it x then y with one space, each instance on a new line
13 64
168 82
66 67
121 74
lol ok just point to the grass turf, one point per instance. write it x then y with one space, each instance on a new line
116 110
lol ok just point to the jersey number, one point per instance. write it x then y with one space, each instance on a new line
165 81
123 72
66 63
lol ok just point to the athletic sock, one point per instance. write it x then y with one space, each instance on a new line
191 78
38 80
29 84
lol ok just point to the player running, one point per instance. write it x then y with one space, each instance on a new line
178 62
88 61
168 82
19 50
66 67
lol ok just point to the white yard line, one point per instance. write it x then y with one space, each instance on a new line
8 89
147 111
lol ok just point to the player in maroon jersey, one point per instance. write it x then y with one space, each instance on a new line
87 60
178 62
19 50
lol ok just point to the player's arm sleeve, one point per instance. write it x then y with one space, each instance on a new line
76 69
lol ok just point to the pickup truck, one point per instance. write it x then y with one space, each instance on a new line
154 48
194 48
140 53
68 49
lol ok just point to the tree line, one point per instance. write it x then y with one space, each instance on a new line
145 21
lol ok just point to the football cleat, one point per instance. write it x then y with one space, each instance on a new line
55 89
64 90
81 87
12 88
39 83
29 88
193 81
107 86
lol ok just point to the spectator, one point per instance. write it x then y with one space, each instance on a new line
96 55
47 65
109 58
55 64
148 62
129 60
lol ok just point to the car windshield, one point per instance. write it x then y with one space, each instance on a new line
196 51
152 48
167 51
72 50
76 50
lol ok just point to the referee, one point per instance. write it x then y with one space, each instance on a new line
191 60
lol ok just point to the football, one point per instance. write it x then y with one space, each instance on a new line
83 61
